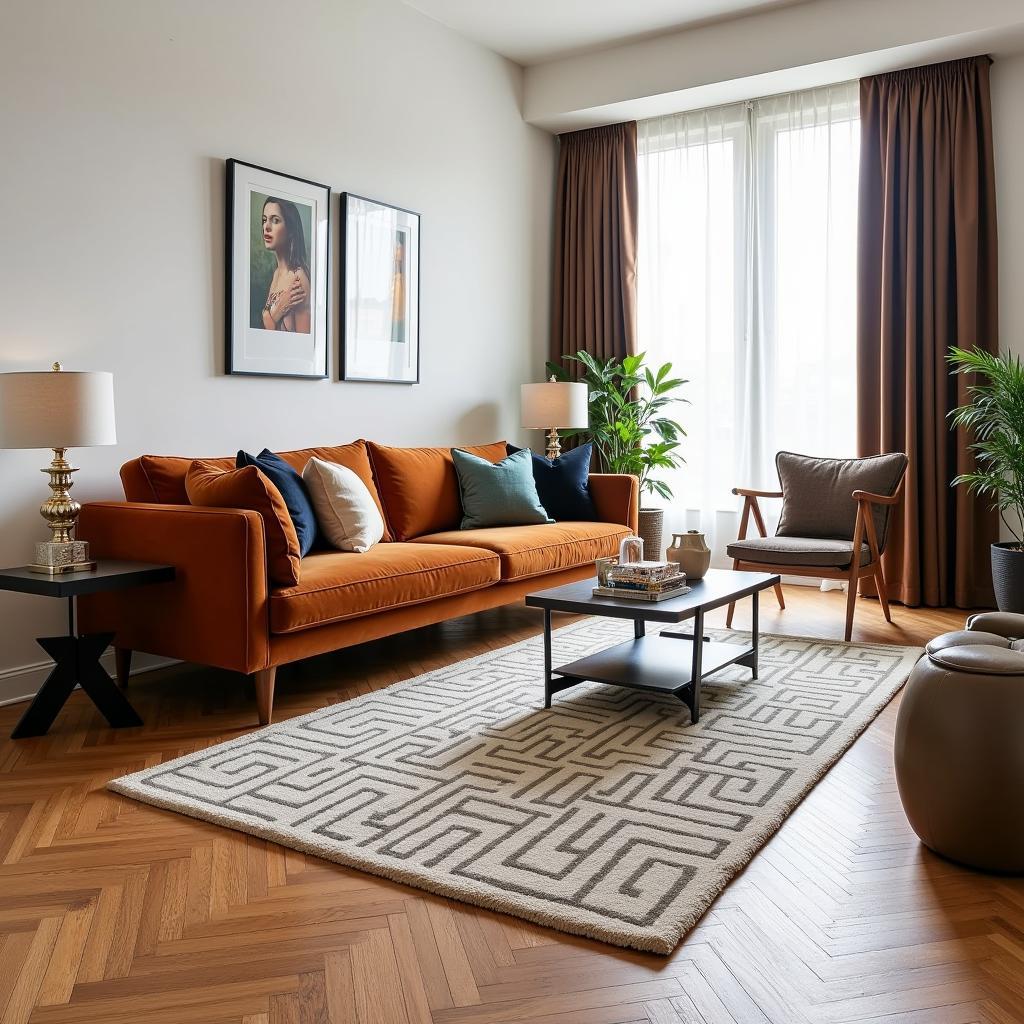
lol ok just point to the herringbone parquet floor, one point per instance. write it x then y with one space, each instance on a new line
111 911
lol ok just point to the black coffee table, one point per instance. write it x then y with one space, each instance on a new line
669 662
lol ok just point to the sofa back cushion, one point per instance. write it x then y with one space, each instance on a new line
161 478
419 488
218 487
817 493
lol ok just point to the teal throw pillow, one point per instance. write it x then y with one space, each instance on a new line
498 494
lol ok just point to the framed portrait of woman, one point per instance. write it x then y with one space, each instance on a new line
380 308
277 250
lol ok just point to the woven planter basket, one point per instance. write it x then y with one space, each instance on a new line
651 532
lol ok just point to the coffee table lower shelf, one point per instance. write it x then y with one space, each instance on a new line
673 661
660 663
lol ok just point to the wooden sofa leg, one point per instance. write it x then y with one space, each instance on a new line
779 597
122 665
264 680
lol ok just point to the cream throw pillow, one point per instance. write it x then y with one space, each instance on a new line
345 510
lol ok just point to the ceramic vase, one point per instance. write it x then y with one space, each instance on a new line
691 552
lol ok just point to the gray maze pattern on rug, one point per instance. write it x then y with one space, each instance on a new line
608 815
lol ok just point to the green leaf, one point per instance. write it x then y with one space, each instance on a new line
993 415
630 424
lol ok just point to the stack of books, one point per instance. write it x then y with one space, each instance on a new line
644 581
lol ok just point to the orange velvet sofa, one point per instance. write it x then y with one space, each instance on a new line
222 610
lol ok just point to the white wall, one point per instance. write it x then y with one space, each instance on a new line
1007 103
1008 140
115 121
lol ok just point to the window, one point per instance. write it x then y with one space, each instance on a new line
747 284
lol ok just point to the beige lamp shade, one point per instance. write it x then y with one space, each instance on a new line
56 409
554 404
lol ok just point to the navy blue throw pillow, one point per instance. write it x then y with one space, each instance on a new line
562 484
292 489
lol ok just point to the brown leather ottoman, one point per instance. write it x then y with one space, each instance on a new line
959 747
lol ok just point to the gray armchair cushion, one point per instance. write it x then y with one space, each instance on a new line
814 552
817 493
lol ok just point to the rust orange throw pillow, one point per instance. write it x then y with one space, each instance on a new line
419 487
206 483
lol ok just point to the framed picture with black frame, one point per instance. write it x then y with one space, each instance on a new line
277 244
380 289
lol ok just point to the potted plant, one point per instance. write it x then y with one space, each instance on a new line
995 415
631 429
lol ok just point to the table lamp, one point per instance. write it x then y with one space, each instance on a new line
551 405
58 410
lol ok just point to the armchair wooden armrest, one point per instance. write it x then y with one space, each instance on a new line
879 499
749 492
751 508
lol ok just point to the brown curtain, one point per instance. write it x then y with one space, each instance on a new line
594 291
926 281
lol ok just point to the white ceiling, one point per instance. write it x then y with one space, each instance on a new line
535 31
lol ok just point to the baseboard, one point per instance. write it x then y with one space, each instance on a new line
22 683
812 581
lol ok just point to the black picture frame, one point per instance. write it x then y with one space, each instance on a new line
362 350
248 349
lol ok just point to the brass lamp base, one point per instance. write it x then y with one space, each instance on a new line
61 553
54 558
49 570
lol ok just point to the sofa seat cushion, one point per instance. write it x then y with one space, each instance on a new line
534 550
339 585
810 552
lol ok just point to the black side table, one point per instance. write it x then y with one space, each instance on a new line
77 658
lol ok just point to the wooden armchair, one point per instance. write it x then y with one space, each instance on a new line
834 523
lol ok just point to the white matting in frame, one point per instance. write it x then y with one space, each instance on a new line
277 243
380 328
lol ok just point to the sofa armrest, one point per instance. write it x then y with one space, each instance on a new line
616 497
216 611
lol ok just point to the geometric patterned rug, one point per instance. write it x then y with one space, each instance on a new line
608 815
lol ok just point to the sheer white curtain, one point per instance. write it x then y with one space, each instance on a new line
747 283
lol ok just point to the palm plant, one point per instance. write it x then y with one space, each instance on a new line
995 416
630 426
